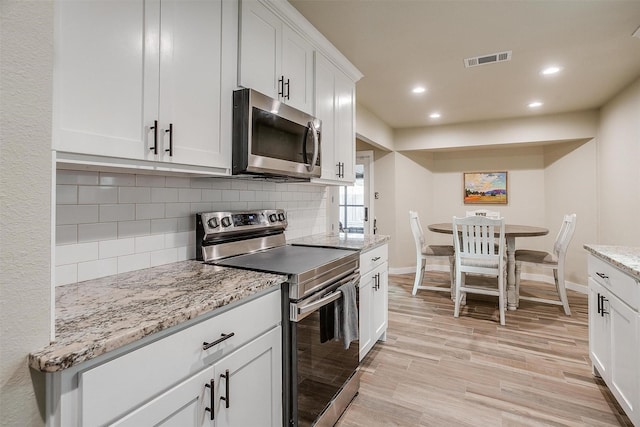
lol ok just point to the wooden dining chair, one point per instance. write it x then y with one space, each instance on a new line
480 250
424 252
554 261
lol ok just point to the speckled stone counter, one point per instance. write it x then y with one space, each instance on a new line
358 242
98 316
627 258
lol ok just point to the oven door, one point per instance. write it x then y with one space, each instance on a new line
323 373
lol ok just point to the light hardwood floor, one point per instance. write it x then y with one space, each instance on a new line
436 370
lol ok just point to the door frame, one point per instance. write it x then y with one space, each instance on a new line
367 159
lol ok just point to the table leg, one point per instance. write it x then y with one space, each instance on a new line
511 273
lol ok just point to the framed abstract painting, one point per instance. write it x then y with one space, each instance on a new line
482 188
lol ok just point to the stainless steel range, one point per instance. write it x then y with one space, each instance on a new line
320 365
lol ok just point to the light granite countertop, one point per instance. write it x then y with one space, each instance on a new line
101 315
358 242
627 258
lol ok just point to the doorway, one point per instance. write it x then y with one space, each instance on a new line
355 202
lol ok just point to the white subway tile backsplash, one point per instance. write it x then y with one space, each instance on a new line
134 262
66 274
122 212
149 243
117 179
149 210
167 225
189 195
164 256
116 248
76 214
116 222
97 232
211 195
150 181
177 210
96 269
164 195
134 228
66 234
79 252
88 195
178 182
67 194
76 177
134 195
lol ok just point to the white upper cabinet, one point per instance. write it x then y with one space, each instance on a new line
145 80
335 107
274 59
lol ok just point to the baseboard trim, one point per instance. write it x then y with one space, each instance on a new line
577 287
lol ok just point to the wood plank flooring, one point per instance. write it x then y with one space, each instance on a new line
436 370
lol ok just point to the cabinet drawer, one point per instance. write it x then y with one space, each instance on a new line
118 386
373 258
620 284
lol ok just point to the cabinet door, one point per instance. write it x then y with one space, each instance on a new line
380 302
260 48
365 314
191 96
624 366
345 136
181 406
599 330
105 77
249 382
297 70
325 111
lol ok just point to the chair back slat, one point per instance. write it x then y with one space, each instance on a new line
416 229
564 235
480 240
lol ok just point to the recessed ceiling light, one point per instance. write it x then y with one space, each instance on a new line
434 115
419 89
550 70
535 104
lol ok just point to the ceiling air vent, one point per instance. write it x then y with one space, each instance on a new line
487 59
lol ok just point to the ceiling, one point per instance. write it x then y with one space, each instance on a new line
398 44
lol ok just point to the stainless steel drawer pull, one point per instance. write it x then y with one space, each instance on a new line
208 345
226 388
375 259
602 275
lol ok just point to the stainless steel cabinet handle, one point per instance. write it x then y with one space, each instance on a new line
155 137
599 303
208 345
288 89
211 401
226 387
375 259
170 131
602 275
603 312
281 86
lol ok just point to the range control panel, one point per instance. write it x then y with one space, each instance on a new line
216 223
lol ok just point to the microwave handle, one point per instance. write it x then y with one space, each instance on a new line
316 143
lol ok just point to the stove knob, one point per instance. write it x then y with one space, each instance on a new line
213 223
273 218
226 221
281 216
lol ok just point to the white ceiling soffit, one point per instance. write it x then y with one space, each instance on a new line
487 59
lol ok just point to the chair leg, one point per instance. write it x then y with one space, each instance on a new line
420 265
562 292
458 282
452 276
501 299
518 270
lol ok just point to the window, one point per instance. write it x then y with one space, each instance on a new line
352 208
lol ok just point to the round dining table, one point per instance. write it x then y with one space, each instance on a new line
511 231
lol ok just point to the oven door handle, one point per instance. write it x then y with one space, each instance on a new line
299 312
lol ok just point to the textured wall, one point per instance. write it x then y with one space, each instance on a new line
25 196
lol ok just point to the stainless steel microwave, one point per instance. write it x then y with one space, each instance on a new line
274 139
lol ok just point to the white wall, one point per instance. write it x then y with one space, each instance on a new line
618 169
109 223
25 195
372 130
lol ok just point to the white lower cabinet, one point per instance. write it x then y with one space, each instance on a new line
614 333
374 296
165 379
